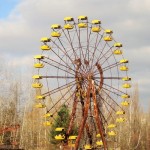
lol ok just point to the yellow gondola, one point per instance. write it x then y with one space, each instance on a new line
98 135
68 19
38 65
82 17
37 85
125 96
71 140
96 29
111 126
124 61
68 26
40 97
55 26
59 129
125 103
99 143
45 39
124 68
108 31
37 76
126 78
107 38
55 34
126 85
117 52
119 120
48 115
120 112
88 146
45 47
72 137
59 137
82 25
112 133
96 22
38 57
117 45
40 105
47 123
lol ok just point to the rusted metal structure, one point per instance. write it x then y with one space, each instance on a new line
82 66
10 144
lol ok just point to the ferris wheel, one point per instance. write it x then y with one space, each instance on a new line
82 66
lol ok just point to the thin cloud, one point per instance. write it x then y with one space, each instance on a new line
30 20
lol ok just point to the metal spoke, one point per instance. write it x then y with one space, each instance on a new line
60 88
57 67
67 66
59 77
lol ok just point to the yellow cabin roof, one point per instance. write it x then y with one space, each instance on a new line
45 47
126 85
96 22
112 133
38 57
37 76
82 18
40 105
124 68
68 26
125 103
55 34
120 120
88 146
72 137
60 137
111 126
117 45
107 38
125 96
48 115
38 65
99 143
108 31
82 25
68 19
120 112
126 78
96 29
59 129
40 97
124 61
98 135
37 85
55 26
45 39
117 52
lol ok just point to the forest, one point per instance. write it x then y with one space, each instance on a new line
17 113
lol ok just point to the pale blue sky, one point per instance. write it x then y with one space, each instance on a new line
24 22
6 6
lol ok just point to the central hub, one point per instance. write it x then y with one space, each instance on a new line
86 72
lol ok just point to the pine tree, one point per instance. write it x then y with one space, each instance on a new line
61 120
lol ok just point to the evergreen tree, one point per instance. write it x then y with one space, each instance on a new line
61 120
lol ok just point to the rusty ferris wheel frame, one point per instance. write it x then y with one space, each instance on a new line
80 64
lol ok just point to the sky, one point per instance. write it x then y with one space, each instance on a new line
24 22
